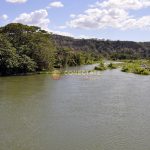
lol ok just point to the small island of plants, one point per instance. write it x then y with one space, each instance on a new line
141 67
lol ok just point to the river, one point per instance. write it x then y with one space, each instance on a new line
109 111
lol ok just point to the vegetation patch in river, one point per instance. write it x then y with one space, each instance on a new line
101 66
141 67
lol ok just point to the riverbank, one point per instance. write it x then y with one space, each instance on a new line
62 70
141 67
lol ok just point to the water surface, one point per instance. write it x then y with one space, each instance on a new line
110 111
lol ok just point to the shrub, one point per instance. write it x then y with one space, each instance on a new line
112 66
101 66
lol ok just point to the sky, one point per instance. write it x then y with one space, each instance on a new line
103 19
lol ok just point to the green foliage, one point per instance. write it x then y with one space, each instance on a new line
28 48
42 50
141 71
11 62
18 34
101 66
25 49
114 50
8 61
123 55
26 64
141 67
8 57
68 57
138 67
112 66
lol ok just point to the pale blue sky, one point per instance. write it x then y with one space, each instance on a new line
108 19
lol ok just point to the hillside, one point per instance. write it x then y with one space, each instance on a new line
107 48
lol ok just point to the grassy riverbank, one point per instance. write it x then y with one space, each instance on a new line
141 67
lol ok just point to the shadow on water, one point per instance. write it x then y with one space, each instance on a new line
22 87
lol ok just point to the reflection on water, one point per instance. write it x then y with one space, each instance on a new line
106 112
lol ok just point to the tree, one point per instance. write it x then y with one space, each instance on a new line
42 50
32 42
8 62
26 64
8 58
11 62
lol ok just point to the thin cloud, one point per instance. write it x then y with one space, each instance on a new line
16 1
56 4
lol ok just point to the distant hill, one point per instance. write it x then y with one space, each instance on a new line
107 48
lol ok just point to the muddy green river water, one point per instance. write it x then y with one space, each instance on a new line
110 111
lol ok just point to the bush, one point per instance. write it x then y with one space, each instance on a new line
112 66
101 66
141 71
26 64
136 67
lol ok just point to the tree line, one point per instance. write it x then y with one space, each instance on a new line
115 50
26 49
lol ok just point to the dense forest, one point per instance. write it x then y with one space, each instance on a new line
26 49
108 49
